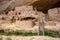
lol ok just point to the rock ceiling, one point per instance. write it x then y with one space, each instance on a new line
41 5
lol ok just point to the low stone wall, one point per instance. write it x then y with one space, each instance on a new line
19 25
28 38
29 26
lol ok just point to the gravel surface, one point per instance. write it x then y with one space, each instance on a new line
28 38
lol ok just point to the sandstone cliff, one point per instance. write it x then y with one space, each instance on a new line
10 4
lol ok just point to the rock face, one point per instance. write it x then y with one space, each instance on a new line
22 13
50 23
11 4
24 2
25 17
21 18
19 25
54 14
24 24
4 5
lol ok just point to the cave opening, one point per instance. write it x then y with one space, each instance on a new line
28 18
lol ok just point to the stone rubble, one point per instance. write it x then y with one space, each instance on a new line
29 38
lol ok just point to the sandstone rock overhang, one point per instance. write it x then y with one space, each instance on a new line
44 5
6 5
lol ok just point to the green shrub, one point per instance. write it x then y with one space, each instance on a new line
17 32
0 38
9 33
27 34
1 31
35 33
52 34
30 33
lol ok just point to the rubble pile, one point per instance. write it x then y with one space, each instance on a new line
28 38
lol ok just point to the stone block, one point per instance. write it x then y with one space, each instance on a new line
24 8
24 24
53 13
